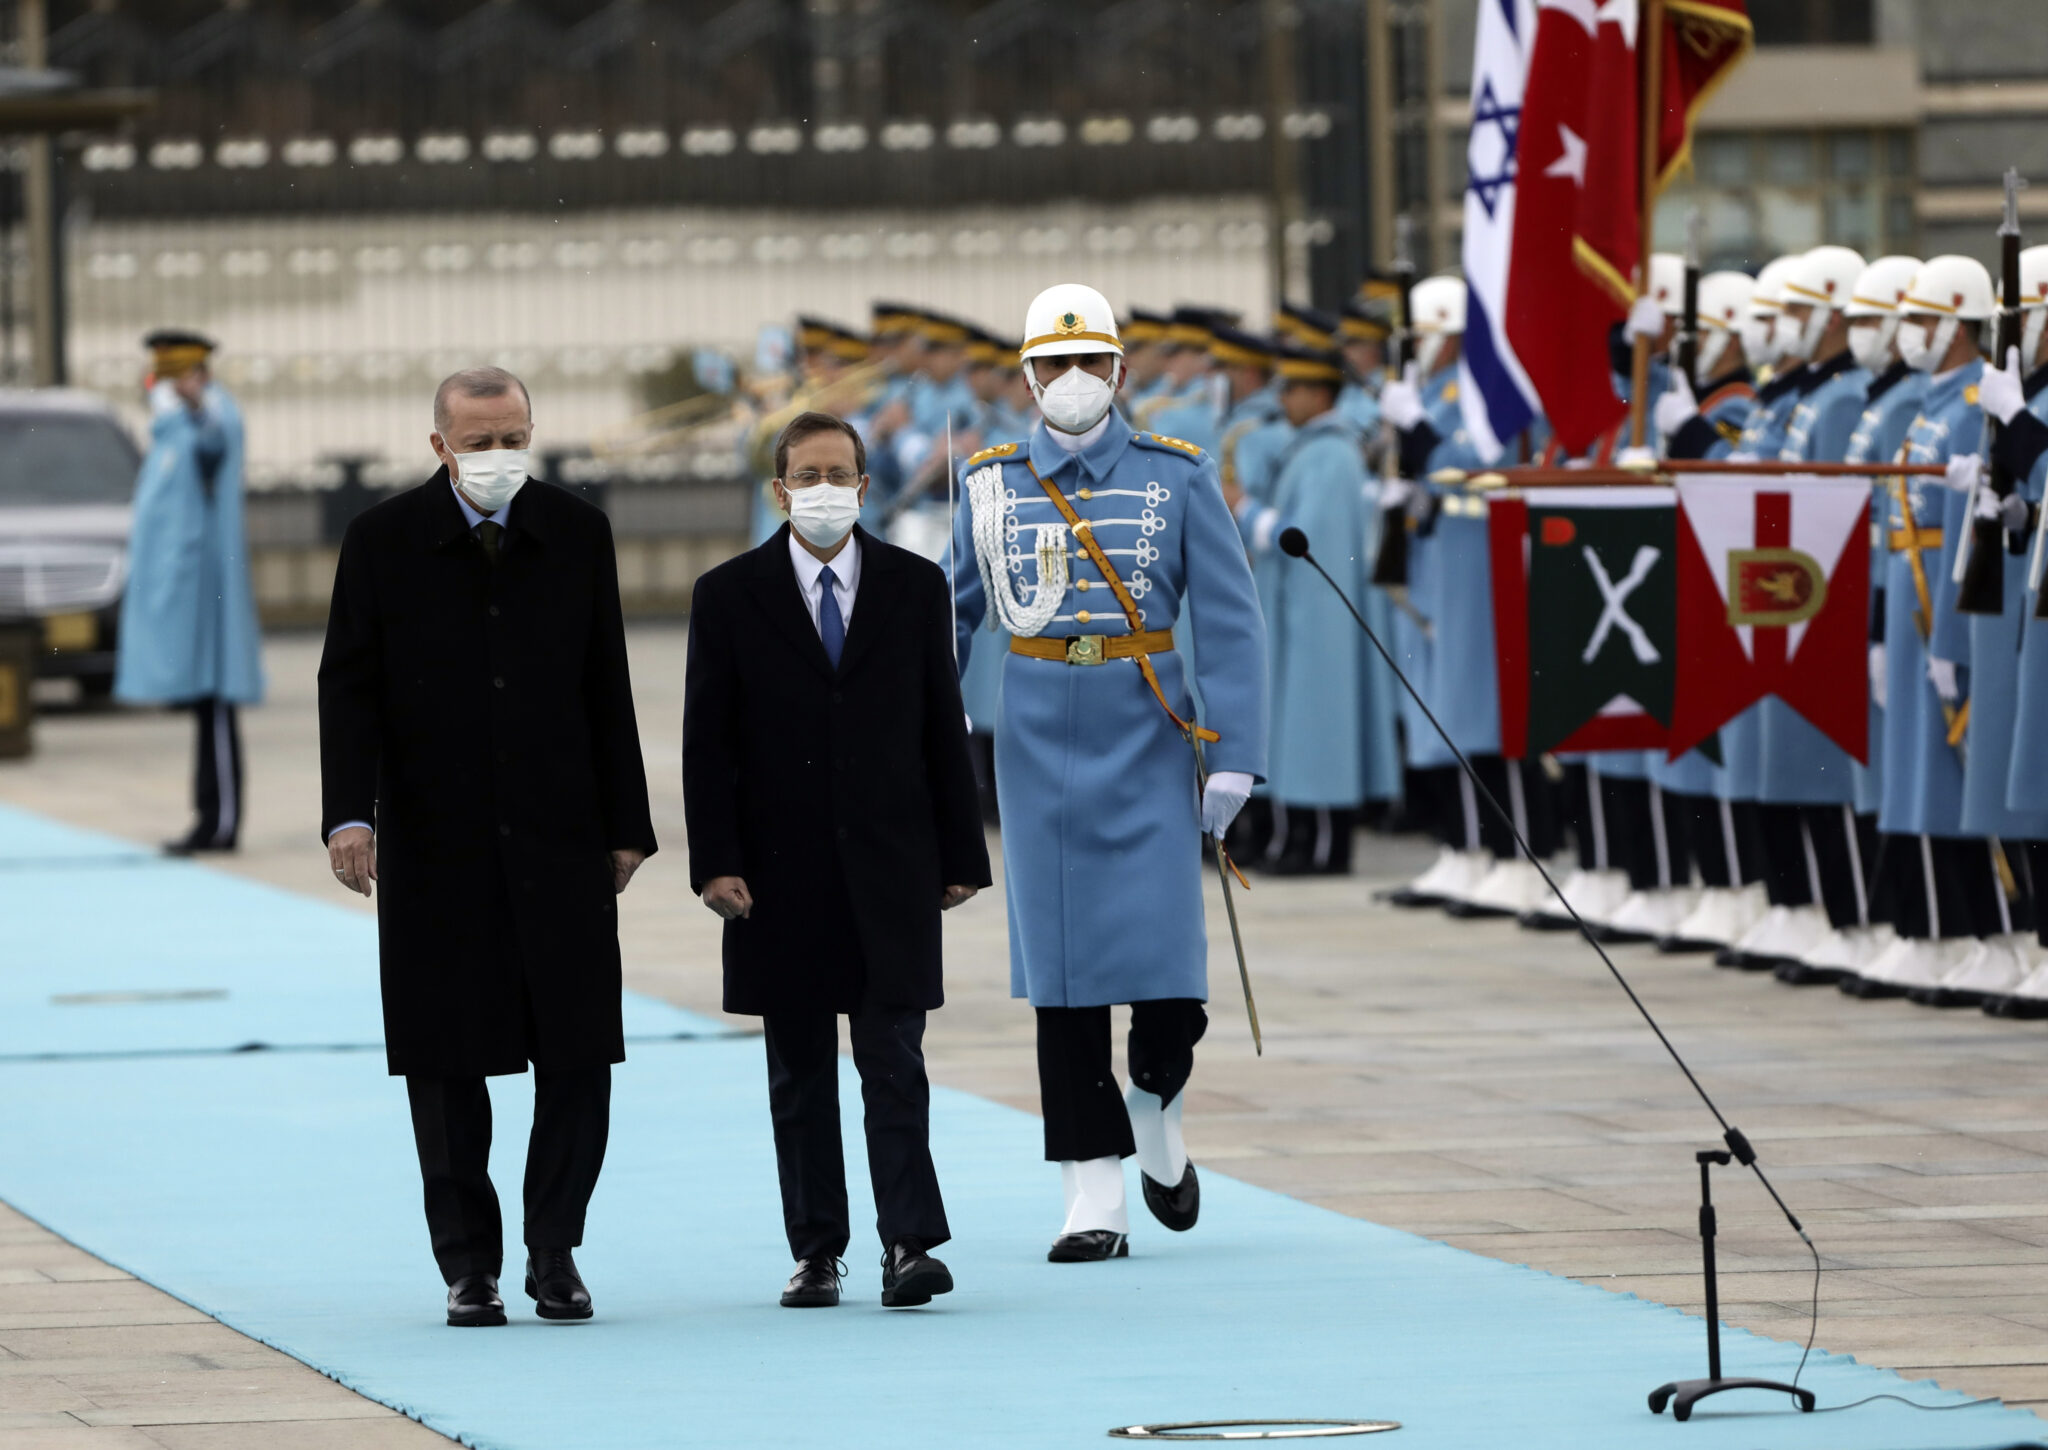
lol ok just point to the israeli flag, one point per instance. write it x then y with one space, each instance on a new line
1495 395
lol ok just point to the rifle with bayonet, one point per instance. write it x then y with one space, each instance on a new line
1390 564
1980 565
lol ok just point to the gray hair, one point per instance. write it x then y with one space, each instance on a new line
476 383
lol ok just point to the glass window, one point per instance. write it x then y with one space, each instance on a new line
1722 159
1849 155
1899 219
1790 221
57 458
1898 153
1852 218
1788 156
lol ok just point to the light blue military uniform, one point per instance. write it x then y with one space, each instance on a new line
1799 765
1890 406
981 681
1923 780
188 615
1321 702
1102 858
1451 585
1360 404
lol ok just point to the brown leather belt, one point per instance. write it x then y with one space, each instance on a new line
1093 649
1904 539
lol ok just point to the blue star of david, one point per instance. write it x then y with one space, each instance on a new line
1488 111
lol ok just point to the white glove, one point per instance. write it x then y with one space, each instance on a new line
1943 674
1676 408
1964 470
1877 675
2000 391
2009 513
1401 399
1395 492
1636 458
1228 791
1645 319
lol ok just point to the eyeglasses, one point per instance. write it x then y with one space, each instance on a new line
809 477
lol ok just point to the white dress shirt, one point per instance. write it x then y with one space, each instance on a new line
845 566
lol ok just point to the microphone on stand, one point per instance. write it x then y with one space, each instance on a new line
1294 543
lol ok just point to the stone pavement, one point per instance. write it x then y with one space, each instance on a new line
1484 1086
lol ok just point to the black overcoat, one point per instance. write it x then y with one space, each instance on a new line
482 718
845 798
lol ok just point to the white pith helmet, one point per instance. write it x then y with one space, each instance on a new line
1667 282
1069 317
1822 281
1724 300
1946 292
2033 302
1439 305
1758 335
1882 284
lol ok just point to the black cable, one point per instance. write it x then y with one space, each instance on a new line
1294 543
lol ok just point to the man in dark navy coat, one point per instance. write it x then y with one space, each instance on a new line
832 816
479 758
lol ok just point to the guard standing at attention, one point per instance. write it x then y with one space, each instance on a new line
1088 542
189 634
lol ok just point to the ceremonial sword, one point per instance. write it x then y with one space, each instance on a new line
1223 869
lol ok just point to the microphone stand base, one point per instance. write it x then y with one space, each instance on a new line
1684 1394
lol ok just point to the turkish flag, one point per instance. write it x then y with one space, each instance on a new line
1773 599
1575 214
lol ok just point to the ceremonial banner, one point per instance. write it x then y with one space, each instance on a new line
1703 41
1574 223
1585 588
1496 397
1773 599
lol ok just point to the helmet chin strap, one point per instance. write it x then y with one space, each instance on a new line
2030 338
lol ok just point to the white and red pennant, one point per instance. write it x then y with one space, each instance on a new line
1773 599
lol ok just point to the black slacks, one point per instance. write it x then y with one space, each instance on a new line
217 772
1084 1108
803 1100
451 1124
1939 887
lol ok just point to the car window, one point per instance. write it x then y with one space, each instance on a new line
56 458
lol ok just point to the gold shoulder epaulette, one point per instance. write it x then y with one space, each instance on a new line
1181 443
1728 430
999 450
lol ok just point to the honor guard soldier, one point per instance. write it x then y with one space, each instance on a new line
1362 333
1087 542
1323 704
189 634
1187 379
1942 884
2002 756
1144 337
1709 424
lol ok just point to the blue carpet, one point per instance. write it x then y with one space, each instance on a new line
277 1191
105 948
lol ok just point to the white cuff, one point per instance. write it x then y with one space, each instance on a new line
350 826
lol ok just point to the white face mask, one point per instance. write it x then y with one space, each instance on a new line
823 513
490 478
1759 339
1713 343
2030 338
1788 337
1429 346
1924 347
1870 342
1073 402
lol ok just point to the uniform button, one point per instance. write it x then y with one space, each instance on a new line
1084 616
504 830
1087 493
1082 585
494 611
499 682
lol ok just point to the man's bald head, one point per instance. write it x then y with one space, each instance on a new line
476 383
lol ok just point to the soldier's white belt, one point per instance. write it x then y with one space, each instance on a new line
1093 649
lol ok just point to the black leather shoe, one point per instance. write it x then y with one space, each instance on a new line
1091 1247
554 1285
473 1302
1177 1207
195 844
815 1284
910 1276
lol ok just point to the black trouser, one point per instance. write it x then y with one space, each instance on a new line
1519 787
1943 887
451 1123
1084 1109
1789 869
1614 828
803 1100
1718 838
217 776
1844 861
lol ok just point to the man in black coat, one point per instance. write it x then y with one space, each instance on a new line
479 757
832 817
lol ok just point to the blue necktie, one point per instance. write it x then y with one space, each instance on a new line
831 624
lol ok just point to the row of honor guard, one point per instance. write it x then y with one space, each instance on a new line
1909 875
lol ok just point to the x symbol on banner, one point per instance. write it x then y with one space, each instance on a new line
1614 612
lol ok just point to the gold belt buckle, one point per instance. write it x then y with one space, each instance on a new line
1088 649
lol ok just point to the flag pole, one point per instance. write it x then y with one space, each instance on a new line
1649 60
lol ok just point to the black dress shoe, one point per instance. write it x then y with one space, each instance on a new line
554 1285
1091 1247
815 1284
1800 974
195 844
473 1302
1177 1207
910 1276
